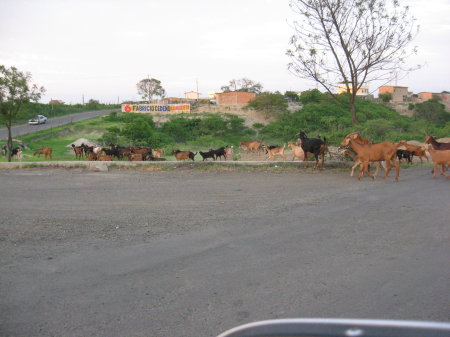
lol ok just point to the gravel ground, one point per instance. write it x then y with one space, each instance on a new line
192 253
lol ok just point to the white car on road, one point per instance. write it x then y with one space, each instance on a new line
40 119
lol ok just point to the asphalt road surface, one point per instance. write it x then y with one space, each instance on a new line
194 253
24 129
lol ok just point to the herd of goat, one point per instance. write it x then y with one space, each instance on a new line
360 149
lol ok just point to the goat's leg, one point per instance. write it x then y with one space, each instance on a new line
357 162
377 168
361 168
388 167
317 161
441 168
366 169
434 171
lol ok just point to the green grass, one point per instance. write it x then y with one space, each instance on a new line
58 138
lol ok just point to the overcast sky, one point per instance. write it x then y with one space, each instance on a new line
102 48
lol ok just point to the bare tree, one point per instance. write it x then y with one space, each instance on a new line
350 42
16 89
243 84
150 87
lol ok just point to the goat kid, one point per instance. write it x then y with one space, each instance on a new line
274 151
413 149
296 150
46 151
385 151
440 158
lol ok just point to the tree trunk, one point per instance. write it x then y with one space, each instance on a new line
9 142
352 108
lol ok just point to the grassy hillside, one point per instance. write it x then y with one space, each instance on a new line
377 122
319 117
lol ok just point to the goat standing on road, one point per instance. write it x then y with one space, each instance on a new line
315 146
367 153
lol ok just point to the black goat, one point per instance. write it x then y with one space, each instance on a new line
315 146
113 151
405 154
220 152
209 154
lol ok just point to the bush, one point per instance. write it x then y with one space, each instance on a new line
269 103
386 97
311 96
432 110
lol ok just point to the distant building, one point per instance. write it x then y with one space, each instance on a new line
425 95
192 95
56 101
443 97
363 91
234 98
429 95
399 94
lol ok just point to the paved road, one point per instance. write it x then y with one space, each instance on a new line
193 253
51 123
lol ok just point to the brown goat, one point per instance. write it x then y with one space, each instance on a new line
276 151
183 155
105 158
357 162
92 156
78 151
296 150
437 145
385 151
414 149
251 146
135 157
440 159
46 151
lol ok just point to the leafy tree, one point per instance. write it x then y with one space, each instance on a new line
350 42
311 96
386 97
432 110
138 131
149 87
16 89
269 103
292 96
93 104
243 84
